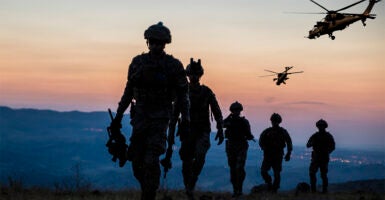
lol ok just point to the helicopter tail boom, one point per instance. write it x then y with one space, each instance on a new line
370 7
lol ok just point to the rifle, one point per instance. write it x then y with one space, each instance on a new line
116 143
166 161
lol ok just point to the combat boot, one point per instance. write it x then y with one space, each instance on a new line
190 194
324 190
148 195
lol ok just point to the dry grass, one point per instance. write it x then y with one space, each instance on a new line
9 193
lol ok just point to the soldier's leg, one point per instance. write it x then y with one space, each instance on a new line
155 146
266 165
186 156
240 167
137 151
187 172
202 145
324 176
277 168
312 174
137 168
231 161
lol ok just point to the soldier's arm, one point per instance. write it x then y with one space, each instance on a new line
127 94
227 121
175 113
181 87
310 142
288 142
332 144
248 134
214 105
262 140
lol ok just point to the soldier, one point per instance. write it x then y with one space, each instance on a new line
237 133
273 141
155 79
323 144
194 145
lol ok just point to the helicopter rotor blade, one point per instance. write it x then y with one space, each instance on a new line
295 72
315 13
358 14
346 7
271 71
319 5
268 75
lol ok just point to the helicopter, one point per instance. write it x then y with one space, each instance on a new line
334 20
281 77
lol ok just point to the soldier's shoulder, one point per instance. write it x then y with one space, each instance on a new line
282 129
171 59
243 118
139 58
329 134
206 89
267 130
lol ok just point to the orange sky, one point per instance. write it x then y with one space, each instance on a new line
74 56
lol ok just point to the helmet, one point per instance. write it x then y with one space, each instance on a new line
275 117
236 106
194 68
158 32
321 124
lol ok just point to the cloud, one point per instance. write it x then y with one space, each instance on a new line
307 103
270 99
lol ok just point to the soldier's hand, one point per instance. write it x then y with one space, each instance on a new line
219 136
166 163
250 137
287 156
171 137
183 129
116 123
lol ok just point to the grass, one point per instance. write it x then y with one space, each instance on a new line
10 193
78 189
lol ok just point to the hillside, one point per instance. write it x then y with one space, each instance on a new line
43 147
359 190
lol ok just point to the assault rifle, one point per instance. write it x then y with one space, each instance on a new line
116 143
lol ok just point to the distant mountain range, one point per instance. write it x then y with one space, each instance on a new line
41 147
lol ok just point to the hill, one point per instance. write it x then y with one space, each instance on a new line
347 192
44 148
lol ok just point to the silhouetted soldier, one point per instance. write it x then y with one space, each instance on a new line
237 133
273 141
195 145
155 79
323 144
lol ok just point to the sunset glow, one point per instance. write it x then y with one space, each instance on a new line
66 55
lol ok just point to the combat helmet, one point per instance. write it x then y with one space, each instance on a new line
194 68
275 117
158 32
236 106
321 124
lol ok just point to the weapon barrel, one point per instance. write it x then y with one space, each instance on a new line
112 117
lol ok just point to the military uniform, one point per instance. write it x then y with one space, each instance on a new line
273 140
237 133
194 146
196 143
323 144
154 82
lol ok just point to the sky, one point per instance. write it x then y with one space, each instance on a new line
74 55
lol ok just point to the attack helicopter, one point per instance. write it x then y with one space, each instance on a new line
281 77
334 20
